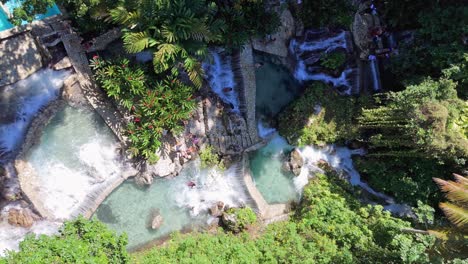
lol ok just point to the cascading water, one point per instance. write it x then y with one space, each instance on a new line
70 165
375 74
220 76
264 131
308 53
179 204
21 101
10 236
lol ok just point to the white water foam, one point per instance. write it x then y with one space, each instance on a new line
27 96
264 131
374 73
340 159
77 156
319 45
315 48
211 186
303 74
65 187
11 236
221 79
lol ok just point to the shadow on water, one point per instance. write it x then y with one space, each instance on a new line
276 86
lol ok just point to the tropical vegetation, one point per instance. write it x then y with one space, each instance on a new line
319 116
415 133
457 192
155 106
78 241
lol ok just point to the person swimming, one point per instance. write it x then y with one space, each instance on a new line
191 184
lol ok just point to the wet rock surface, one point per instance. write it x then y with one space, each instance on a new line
230 222
156 219
217 209
276 44
23 217
294 163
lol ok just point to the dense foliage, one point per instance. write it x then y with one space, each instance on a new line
175 31
438 48
407 179
318 117
322 13
330 227
154 106
209 158
243 20
79 241
178 33
457 193
423 120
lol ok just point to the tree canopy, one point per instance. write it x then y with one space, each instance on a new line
79 241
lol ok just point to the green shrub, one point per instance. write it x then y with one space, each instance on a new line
79 241
333 60
301 125
324 13
209 158
244 216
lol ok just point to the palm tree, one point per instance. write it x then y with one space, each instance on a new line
457 192
176 31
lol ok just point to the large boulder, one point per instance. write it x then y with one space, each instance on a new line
294 163
277 43
230 222
217 209
156 219
23 217
144 178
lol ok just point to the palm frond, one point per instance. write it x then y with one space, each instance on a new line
457 215
460 179
122 16
137 41
455 191
194 71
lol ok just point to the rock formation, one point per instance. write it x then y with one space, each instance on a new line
294 163
217 209
156 219
230 222
23 217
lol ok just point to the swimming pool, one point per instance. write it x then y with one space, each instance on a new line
12 4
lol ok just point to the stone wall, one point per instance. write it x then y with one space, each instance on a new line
248 89
227 132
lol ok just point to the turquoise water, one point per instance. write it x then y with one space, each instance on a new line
275 185
130 208
4 23
12 4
